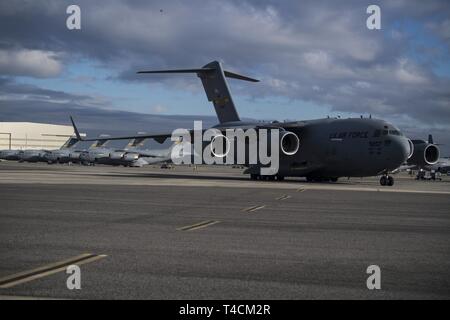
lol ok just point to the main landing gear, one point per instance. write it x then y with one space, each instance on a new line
386 180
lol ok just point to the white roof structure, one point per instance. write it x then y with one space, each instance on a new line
29 135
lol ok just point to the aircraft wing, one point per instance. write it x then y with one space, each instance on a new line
158 137
155 160
161 137
152 153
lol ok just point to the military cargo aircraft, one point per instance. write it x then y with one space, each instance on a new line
320 150
32 155
136 156
10 154
98 153
39 155
128 155
61 155
132 155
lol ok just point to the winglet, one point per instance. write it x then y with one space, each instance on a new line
77 133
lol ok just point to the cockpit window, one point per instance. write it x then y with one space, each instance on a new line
395 132
385 132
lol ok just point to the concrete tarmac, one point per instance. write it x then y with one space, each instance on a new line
214 234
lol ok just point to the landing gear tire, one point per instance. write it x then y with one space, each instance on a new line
333 179
254 176
280 178
387 181
390 181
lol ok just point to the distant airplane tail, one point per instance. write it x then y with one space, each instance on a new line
75 129
72 141
97 143
103 139
216 88
136 142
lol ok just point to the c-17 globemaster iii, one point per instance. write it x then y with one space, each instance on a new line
138 157
133 155
320 150
39 155
61 155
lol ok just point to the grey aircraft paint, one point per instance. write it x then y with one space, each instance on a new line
10 154
62 155
426 156
425 153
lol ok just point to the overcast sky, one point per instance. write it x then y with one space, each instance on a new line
314 58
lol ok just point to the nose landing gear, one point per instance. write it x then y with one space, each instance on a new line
386 180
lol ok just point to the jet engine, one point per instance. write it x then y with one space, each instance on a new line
75 156
424 153
116 155
131 157
289 143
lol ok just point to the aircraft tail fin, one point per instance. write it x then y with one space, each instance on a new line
75 129
72 141
136 142
101 141
97 143
216 88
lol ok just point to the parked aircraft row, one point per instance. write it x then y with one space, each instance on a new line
133 155
320 150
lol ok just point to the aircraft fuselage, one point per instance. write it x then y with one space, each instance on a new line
342 148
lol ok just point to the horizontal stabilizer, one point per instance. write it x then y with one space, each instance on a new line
179 71
238 76
227 74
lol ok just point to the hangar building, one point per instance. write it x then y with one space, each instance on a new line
29 135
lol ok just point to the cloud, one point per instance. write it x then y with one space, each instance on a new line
21 102
11 91
25 62
321 53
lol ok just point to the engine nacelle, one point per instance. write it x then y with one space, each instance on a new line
251 145
424 153
75 156
289 143
411 148
131 157
117 155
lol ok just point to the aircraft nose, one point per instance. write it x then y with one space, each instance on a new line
401 150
